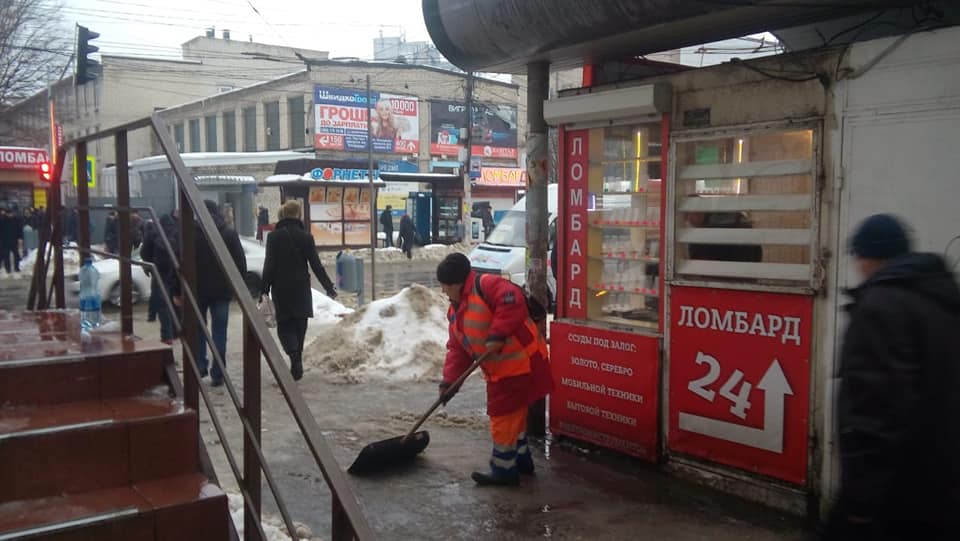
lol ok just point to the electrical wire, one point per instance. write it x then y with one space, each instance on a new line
811 77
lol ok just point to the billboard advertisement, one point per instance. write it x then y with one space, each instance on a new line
340 121
494 129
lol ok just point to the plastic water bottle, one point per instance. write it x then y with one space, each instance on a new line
89 296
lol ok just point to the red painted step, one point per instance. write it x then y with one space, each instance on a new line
97 454
182 508
92 444
83 377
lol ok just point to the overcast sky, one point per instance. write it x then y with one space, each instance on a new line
342 27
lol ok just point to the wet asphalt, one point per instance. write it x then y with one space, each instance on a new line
578 493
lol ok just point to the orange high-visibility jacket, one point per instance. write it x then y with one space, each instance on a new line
520 373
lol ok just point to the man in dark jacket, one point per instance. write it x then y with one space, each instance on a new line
898 402
408 234
155 251
386 223
290 249
111 233
11 233
213 291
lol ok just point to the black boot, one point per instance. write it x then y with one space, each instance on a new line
495 479
296 366
525 464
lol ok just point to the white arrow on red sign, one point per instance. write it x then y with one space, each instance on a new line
770 437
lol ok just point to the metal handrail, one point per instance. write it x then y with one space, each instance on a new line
348 520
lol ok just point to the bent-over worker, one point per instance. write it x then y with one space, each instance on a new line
494 318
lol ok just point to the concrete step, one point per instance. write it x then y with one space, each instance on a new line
85 376
97 452
183 508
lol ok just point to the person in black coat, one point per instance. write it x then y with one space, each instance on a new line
290 250
899 396
11 234
386 223
111 233
213 291
408 233
155 251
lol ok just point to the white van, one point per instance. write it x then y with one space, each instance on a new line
504 252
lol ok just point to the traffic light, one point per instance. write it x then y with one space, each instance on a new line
87 68
46 172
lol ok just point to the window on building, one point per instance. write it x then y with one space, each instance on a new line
195 135
210 124
272 113
178 136
250 129
229 131
744 207
297 123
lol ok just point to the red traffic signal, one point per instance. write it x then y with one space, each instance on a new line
46 172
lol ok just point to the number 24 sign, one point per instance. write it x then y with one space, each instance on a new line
739 394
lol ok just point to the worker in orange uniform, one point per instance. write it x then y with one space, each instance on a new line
489 313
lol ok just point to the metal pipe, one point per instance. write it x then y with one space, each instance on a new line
373 200
83 196
251 441
538 80
123 201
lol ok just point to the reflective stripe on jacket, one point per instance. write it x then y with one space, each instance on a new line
472 332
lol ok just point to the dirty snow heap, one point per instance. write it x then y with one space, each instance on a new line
400 338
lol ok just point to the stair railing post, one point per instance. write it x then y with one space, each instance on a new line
340 527
83 201
252 411
56 202
126 240
190 323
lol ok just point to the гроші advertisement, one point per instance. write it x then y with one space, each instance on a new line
341 121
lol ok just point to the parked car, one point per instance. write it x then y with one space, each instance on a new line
109 270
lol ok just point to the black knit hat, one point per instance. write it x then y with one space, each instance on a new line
454 269
880 236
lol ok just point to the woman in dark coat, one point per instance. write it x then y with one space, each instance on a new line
290 250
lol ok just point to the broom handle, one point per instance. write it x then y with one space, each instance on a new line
454 385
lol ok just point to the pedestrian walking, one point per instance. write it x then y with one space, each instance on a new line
386 223
213 292
408 235
155 251
486 217
489 314
71 221
898 400
11 236
263 220
291 254
111 233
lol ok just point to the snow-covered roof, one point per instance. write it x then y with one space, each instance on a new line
208 159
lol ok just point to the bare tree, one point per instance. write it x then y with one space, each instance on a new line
35 47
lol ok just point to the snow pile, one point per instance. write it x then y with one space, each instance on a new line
273 527
71 261
327 310
430 252
400 338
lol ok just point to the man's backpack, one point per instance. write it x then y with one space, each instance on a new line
536 310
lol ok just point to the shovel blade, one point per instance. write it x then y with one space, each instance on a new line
389 453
